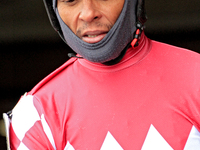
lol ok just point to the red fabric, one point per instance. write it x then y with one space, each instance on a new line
15 142
37 137
154 84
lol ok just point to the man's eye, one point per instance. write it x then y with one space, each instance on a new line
68 1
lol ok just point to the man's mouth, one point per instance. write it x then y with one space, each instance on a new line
93 36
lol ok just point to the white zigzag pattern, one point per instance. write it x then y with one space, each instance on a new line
110 143
193 142
154 141
21 120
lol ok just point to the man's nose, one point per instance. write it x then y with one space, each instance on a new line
89 11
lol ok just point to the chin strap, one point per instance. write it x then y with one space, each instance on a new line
137 34
141 19
74 55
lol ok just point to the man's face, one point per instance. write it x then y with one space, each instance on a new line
90 20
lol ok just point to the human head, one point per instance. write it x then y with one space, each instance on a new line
90 20
111 46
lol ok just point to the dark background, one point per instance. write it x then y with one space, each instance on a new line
30 49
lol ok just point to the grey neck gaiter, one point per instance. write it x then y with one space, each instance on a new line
111 46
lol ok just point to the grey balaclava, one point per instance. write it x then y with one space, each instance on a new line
111 46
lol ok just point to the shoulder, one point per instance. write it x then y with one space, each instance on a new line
171 49
178 63
50 93
52 76
173 54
